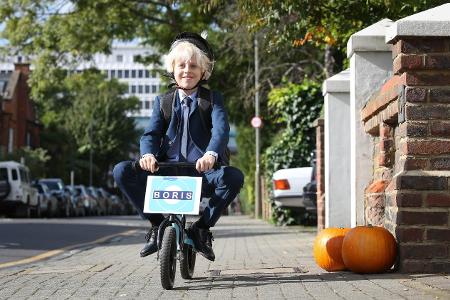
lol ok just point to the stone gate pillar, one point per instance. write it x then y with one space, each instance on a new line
336 91
370 65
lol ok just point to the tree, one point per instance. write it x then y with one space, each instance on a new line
326 24
98 120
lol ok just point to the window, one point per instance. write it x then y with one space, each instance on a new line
3 174
23 175
14 174
147 89
119 74
119 58
153 74
136 58
147 104
147 74
140 73
113 73
10 140
140 89
133 89
141 104
28 139
154 89
127 73
39 188
133 73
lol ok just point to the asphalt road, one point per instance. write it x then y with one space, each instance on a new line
28 238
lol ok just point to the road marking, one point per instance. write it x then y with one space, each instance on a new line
51 253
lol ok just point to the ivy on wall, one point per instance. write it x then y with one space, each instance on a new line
293 108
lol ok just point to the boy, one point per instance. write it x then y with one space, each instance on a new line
190 62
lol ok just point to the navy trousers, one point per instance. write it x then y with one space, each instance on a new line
222 185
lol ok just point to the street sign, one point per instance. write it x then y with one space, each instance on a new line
256 122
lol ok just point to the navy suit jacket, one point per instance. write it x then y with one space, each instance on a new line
156 141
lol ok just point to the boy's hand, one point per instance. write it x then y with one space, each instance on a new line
205 163
149 163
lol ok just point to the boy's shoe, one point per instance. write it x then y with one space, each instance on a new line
202 239
152 242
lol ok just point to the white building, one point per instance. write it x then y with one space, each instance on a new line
143 81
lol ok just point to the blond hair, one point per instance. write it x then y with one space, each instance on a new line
186 51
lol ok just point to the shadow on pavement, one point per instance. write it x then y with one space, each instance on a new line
253 280
250 233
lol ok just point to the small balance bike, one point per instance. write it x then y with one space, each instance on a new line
173 195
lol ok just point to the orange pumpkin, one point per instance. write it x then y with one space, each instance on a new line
327 249
369 249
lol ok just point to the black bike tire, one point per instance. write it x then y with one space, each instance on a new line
187 259
168 258
187 262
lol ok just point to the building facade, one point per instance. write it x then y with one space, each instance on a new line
19 126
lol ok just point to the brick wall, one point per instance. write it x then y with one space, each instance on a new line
320 173
410 120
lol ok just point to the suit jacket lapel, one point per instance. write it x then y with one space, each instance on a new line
177 106
193 106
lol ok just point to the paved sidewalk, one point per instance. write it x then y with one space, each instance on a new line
254 260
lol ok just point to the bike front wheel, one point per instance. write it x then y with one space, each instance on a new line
168 258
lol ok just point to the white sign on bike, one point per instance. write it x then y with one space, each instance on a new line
173 195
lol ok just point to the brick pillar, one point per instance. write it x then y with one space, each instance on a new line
320 175
418 198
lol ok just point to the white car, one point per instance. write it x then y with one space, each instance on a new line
18 194
288 187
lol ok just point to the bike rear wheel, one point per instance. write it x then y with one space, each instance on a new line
168 258
187 262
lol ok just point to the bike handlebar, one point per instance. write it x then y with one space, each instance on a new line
172 164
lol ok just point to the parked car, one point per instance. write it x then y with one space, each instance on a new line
89 202
107 200
101 202
48 202
5 186
17 194
76 200
288 192
310 192
117 205
56 187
